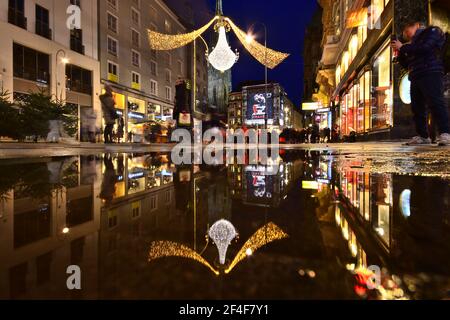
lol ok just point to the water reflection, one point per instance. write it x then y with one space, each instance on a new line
138 227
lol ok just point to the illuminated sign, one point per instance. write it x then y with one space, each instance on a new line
311 106
136 175
323 110
405 89
259 106
133 115
310 185
356 18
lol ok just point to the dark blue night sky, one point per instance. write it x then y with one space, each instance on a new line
286 21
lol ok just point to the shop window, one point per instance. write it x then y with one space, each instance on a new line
353 47
154 111
338 75
136 105
167 113
383 101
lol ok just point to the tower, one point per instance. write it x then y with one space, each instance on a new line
219 8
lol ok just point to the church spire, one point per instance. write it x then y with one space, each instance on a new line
219 10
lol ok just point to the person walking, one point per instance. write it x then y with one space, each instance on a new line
422 57
109 113
120 130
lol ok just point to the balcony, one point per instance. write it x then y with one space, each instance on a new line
17 18
76 45
42 29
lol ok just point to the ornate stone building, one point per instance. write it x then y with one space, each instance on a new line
366 92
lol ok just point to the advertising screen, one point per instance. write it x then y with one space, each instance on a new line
258 106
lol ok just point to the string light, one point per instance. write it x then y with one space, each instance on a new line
162 249
265 235
222 57
257 50
159 41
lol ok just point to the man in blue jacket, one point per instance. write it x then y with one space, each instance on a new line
422 57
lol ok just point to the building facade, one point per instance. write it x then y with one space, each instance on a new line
258 106
143 79
358 80
41 51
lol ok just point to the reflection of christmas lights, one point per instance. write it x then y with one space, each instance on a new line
222 233
265 235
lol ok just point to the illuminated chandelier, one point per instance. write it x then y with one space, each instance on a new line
222 233
222 57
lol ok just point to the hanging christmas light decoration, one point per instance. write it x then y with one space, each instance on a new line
222 57
222 233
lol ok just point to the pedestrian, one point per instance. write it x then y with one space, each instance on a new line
120 130
92 125
422 57
109 113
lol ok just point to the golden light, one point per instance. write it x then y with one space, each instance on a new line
65 60
249 38
65 230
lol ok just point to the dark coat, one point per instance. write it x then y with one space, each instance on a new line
108 108
422 56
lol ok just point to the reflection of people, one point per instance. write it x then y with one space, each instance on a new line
421 56
109 113
120 130
92 125
109 180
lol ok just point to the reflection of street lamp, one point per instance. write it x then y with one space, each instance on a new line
64 61
249 39
194 86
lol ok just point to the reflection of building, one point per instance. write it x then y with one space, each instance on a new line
235 111
360 83
143 79
45 231
255 107
40 52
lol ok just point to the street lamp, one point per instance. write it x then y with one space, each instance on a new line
249 39
64 61
194 86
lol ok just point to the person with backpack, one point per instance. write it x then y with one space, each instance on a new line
423 56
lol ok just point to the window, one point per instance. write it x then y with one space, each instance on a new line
168 58
153 14
76 40
113 72
42 22
135 58
168 196
135 81
167 26
153 87
168 76
168 93
113 3
153 68
112 23
153 54
78 79
16 13
135 38
30 64
135 16
383 100
112 46
153 203
180 67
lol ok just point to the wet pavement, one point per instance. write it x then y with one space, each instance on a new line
317 224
